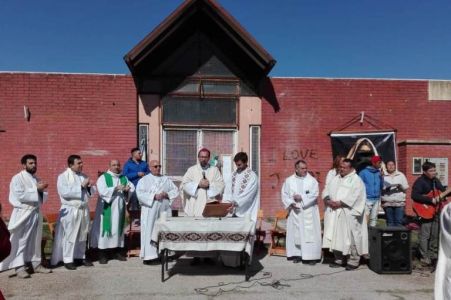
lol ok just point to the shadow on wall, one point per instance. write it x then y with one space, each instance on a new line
266 91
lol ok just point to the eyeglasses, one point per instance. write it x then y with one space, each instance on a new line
156 166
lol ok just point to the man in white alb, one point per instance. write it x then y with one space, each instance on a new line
201 184
155 194
107 231
26 195
345 226
245 199
299 196
74 189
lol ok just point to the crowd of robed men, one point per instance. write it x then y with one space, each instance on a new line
349 199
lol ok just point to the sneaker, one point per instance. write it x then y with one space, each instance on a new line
70 266
42 270
23 274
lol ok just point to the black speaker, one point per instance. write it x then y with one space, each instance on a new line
390 250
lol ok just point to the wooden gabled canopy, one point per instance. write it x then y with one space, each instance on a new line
215 34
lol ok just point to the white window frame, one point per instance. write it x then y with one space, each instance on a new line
199 142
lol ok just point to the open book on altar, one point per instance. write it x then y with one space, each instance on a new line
216 209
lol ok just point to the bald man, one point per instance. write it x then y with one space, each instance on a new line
155 194
107 231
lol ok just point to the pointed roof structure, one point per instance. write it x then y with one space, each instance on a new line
205 20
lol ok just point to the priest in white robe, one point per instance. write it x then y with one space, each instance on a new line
345 227
245 200
74 189
107 231
442 288
26 195
155 193
201 184
299 196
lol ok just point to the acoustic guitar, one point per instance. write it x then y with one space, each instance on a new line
427 211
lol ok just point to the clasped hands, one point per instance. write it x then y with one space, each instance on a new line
122 188
204 184
161 196
334 204
87 183
297 199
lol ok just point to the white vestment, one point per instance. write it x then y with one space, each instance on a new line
73 221
116 200
25 224
346 225
303 225
246 196
442 288
151 209
330 175
195 198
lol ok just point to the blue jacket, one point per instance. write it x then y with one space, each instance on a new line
131 169
373 182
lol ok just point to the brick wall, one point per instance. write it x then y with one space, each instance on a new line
311 108
91 115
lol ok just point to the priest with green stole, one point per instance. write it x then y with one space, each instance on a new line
107 232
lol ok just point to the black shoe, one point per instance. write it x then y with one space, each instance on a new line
195 261
70 266
103 260
335 265
87 263
209 261
297 260
309 262
152 262
120 257
351 267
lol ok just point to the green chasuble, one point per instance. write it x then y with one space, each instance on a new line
106 228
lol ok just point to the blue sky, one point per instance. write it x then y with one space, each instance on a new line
355 38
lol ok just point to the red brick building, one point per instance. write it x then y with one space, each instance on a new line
91 115
233 106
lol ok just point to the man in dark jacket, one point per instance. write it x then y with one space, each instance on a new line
372 178
428 228
134 169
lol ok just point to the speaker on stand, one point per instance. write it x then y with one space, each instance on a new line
390 250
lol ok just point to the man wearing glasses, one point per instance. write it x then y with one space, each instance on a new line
155 193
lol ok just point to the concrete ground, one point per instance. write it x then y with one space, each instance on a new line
273 278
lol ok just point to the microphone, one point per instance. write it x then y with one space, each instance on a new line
203 175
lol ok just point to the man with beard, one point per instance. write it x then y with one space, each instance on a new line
26 195
74 189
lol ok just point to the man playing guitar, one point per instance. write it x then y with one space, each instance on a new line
426 192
